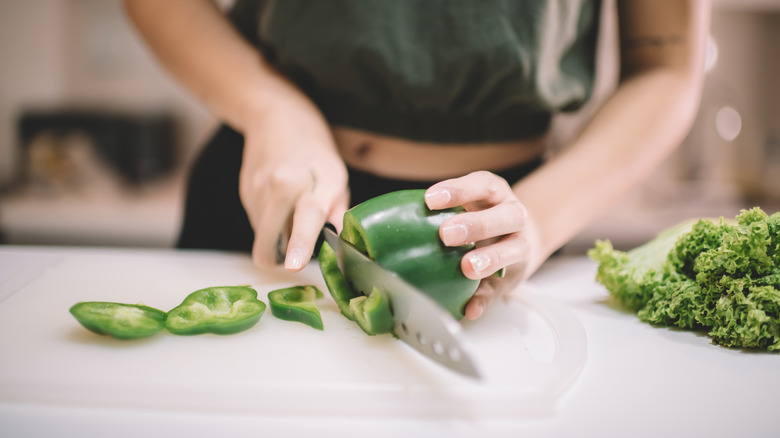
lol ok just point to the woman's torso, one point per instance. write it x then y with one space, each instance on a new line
433 89
399 158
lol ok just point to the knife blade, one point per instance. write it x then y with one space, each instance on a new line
419 321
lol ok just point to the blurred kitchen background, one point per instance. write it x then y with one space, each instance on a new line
96 138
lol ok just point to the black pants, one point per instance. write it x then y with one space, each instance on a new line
214 217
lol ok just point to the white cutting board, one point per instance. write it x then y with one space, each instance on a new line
530 349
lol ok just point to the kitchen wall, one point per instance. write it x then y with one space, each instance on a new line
80 54
84 54
32 60
742 100
731 158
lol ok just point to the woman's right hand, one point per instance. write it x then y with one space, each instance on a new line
292 178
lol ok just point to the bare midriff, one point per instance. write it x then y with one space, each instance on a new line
397 158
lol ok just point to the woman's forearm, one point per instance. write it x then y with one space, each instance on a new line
202 50
621 146
639 126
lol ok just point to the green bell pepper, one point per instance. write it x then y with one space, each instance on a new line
399 232
121 321
219 310
296 304
372 313
337 284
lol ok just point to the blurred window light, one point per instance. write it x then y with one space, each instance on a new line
728 123
710 54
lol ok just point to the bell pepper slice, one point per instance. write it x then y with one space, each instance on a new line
221 310
399 232
372 313
297 304
121 321
337 284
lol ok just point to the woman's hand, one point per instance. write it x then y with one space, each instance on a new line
497 222
292 180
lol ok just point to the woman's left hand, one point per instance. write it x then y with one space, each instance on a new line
497 222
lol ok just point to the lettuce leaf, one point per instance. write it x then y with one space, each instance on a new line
714 275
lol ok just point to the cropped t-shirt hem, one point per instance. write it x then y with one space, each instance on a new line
435 70
442 128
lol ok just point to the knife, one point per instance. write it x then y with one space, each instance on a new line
419 321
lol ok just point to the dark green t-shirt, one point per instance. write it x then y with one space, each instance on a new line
432 70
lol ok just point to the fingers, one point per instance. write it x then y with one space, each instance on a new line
495 220
494 210
291 204
491 288
311 211
270 212
336 215
484 261
504 218
483 188
476 305
307 223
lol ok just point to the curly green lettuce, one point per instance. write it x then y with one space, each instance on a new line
719 276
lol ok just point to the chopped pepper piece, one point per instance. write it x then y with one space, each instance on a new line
297 304
372 313
337 284
121 321
220 310
399 232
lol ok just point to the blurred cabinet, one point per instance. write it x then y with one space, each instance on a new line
138 147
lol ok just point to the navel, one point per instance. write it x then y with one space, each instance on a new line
363 150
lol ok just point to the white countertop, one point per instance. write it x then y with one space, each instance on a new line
636 381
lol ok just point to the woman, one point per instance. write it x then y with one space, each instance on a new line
338 101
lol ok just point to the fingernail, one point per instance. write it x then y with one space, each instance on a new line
437 197
453 234
294 260
479 262
475 309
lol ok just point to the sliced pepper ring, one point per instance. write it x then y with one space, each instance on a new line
371 313
337 284
296 303
221 310
121 321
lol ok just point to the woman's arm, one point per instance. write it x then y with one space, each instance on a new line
650 113
204 52
662 47
292 178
